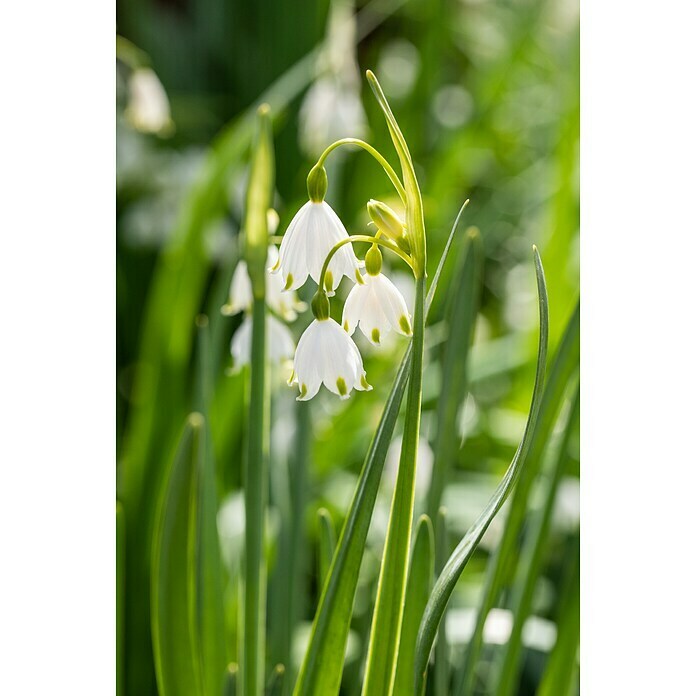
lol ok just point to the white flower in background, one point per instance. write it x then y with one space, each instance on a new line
332 107
424 465
377 307
285 304
148 106
241 297
327 354
279 341
314 230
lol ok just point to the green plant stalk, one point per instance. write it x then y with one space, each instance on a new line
255 480
420 580
501 564
391 590
530 562
120 598
322 666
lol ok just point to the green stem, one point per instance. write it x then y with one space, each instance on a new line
362 238
388 615
375 153
254 638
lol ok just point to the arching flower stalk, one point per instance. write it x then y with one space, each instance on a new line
317 244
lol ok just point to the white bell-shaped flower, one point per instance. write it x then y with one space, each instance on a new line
241 297
278 340
314 230
325 353
285 304
377 307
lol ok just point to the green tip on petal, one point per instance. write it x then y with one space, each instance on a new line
375 335
405 324
346 328
275 266
291 380
358 277
328 281
341 386
288 282
364 384
303 390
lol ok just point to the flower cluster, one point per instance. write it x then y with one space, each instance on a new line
317 245
283 305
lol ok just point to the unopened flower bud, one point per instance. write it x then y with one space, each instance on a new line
373 260
386 220
317 183
320 306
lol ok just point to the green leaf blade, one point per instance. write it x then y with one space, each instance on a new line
420 577
447 580
501 566
174 634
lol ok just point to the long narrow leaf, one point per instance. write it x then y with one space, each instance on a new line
560 677
530 562
327 544
502 564
464 301
323 662
453 569
174 635
420 578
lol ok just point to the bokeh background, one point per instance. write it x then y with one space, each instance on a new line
487 94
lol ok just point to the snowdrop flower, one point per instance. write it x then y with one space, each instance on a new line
284 304
280 343
376 305
326 353
148 106
241 297
314 230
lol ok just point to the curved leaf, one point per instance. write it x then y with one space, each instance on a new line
531 557
502 565
453 569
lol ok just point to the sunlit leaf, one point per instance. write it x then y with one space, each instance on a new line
520 603
502 565
447 580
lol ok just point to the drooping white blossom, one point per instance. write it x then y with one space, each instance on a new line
314 230
285 304
279 342
377 307
241 297
327 354
148 106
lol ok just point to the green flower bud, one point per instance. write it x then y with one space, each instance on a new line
320 306
373 261
317 183
386 220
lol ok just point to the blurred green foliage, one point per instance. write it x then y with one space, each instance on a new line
487 94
